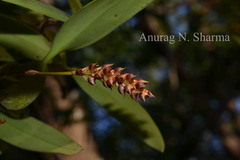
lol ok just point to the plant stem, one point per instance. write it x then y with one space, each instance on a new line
34 72
56 73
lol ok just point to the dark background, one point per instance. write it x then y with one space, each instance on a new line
196 84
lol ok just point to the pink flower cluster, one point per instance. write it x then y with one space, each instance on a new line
108 76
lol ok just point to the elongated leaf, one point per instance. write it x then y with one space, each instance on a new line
41 7
126 110
22 93
93 22
75 5
23 39
5 56
31 134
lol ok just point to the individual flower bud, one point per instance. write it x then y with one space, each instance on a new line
107 70
91 80
141 81
121 89
134 94
145 93
110 81
128 88
142 96
150 95
93 67
105 84
118 70
140 86
120 78
130 78
80 72
107 66
98 75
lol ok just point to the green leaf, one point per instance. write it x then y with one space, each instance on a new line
41 7
22 93
32 134
75 5
126 110
21 38
5 56
2 121
93 22
28 17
